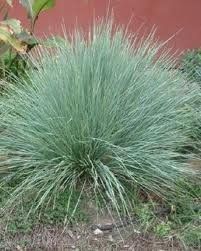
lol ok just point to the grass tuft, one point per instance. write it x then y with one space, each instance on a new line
100 116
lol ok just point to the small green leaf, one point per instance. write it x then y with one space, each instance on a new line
41 5
34 7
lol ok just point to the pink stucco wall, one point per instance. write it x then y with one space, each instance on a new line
178 18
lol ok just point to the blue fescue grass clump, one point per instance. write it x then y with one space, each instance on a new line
101 114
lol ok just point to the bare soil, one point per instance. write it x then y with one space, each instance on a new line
101 233
83 238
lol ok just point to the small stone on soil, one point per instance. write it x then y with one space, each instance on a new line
98 232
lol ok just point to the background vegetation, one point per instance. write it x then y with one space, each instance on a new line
16 41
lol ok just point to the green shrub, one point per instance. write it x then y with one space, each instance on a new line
191 65
15 41
99 116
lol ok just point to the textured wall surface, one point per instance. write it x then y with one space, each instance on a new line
178 18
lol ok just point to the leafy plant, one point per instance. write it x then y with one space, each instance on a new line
191 65
16 41
163 229
101 115
35 7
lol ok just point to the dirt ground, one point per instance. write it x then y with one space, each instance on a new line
83 238
102 233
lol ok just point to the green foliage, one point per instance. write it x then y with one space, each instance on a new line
163 229
52 214
191 236
180 221
144 213
191 65
35 7
41 5
16 41
100 116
